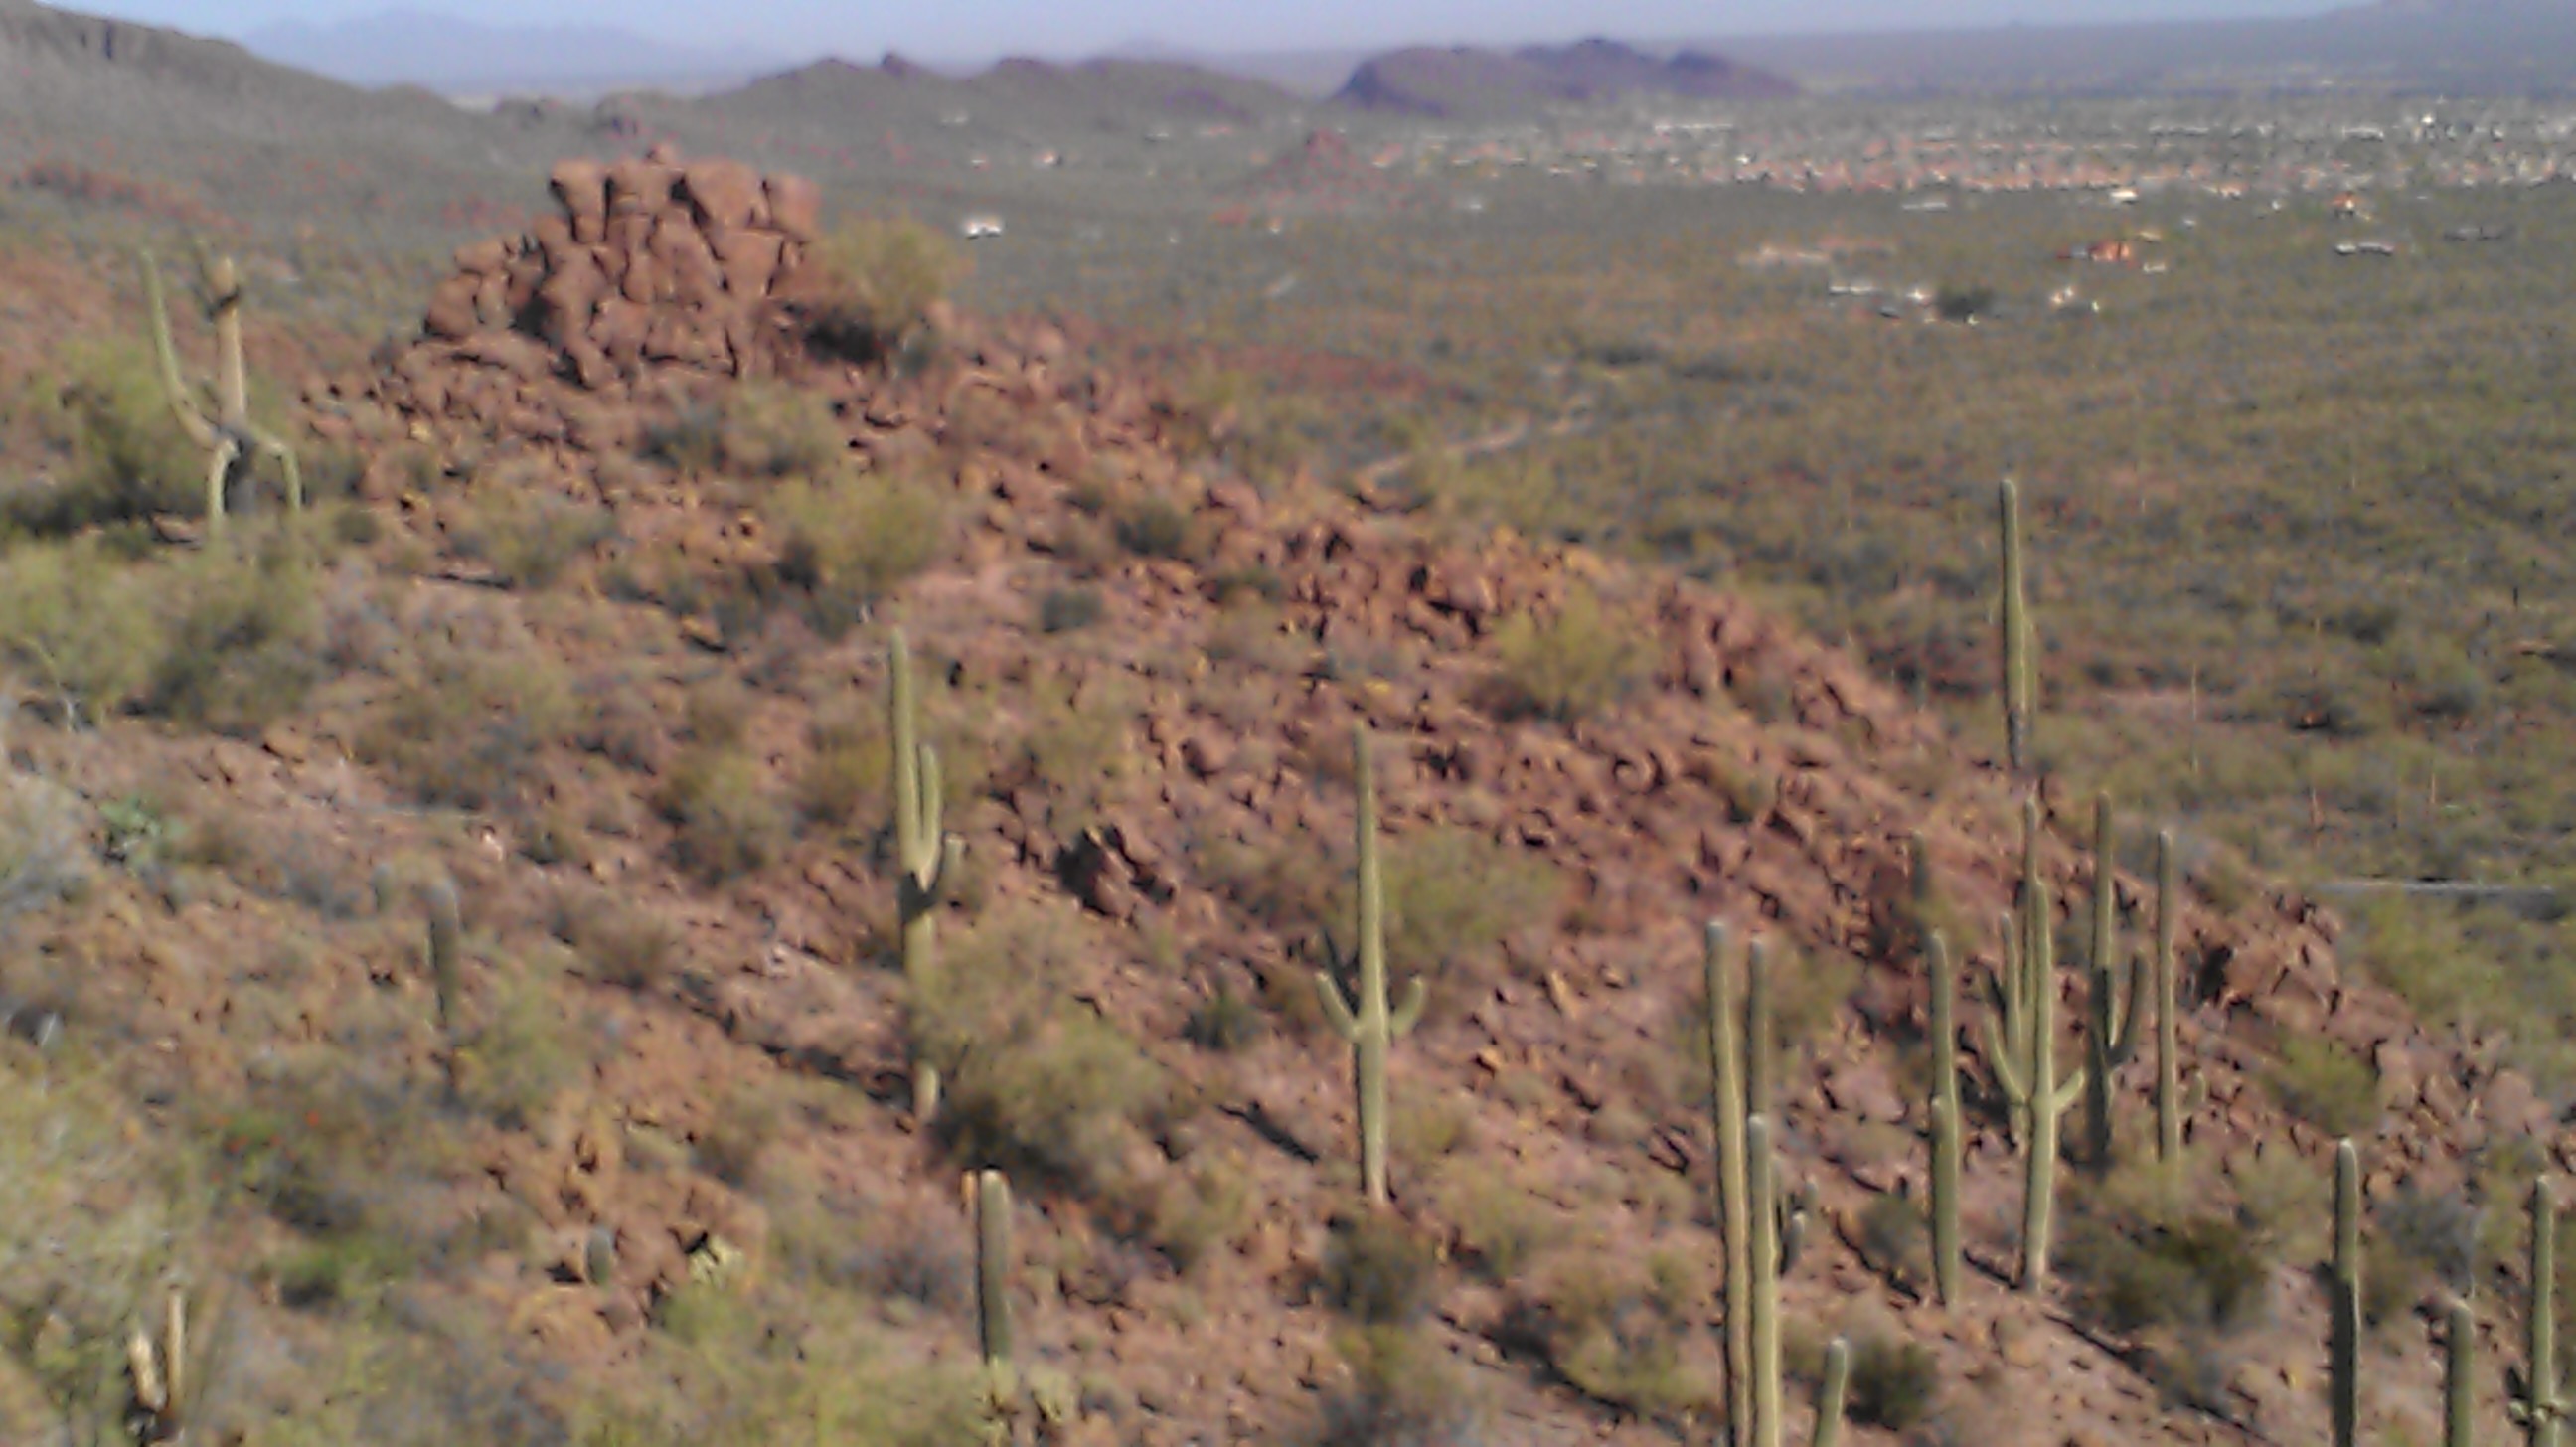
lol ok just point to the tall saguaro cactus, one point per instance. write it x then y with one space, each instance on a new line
1764 1249
2168 1053
1943 1099
2343 1366
1829 1394
2014 624
2021 1051
926 856
228 436
1762 1222
1367 1024
2541 1405
2111 1026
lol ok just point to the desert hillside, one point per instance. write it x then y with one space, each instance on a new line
453 929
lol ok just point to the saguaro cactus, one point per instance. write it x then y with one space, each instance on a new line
2168 1053
1764 1250
229 437
446 965
1367 1023
1944 1096
988 1196
1829 1393
2343 1347
2111 1027
2459 1365
2540 1405
2014 624
158 1373
1750 1212
926 856
2021 1051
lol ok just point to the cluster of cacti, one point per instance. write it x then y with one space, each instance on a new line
158 1375
926 856
1368 1024
2013 622
1943 1107
2021 1050
228 436
1763 1222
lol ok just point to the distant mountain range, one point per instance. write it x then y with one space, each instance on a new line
1469 83
412 47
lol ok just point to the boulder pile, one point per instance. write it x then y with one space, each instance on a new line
650 260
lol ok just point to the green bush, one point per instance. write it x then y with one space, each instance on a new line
1035 1082
522 1057
2325 1084
530 534
244 640
104 410
1896 1241
1378 1271
1894 1383
1568 665
1454 895
2160 1259
79 622
846 779
870 285
849 538
1157 527
769 429
468 721
718 801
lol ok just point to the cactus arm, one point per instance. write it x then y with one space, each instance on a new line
1337 1013
2459 1385
990 1193
1408 1010
1999 1063
921 851
2344 1341
270 445
2168 1054
1726 1111
200 431
1829 1393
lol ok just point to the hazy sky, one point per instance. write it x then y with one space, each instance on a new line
975 29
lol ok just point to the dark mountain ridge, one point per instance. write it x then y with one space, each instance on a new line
1471 83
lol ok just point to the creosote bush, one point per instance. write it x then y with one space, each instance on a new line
1036 1083
870 285
1569 664
100 407
2326 1084
847 538
244 640
1895 1383
529 533
1378 1271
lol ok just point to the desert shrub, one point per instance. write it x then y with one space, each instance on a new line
870 284
1074 745
849 538
79 623
1895 1240
244 638
1614 1329
1157 527
725 822
847 779
745 1122
1502 1225
617 943
1961 302
102 407
1895 1383
1403 1392
2417 1238
1035 1083
521 1057
1569 665
1193 1215
530 534
1223 1020
1378 1271
1068 610
770 429
1454 895
468 720
2325 1084
2146 1251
